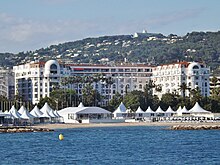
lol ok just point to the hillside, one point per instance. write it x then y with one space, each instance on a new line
142 47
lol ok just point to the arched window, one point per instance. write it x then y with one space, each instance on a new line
53 67
196 67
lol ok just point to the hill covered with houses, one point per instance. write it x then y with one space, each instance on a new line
151 48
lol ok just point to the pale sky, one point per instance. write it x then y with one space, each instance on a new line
33 24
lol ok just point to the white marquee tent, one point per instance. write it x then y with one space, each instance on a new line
139 113
77 114
36 112
14 113
22 109
149 112
120 112
81 105
26 115
159 111
197 109
169 111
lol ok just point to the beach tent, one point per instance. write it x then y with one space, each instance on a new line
169 111
120 112
159 111
14 113
26 115
184 110
139 113
81 105
179 109
22 109
149 112
36 112
78 114
52 114
198 110
45 117
46 108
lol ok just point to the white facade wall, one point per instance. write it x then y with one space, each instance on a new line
125 78
171 77
36 80
6 82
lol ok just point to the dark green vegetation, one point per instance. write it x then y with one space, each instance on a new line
64 97
152 48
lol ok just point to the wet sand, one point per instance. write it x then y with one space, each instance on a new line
81 125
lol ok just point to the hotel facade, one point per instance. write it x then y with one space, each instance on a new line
36 80
172 76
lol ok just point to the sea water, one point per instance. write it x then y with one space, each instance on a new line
112 145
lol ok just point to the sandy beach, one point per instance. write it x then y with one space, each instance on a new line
167 124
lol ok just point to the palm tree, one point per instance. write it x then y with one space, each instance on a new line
183 87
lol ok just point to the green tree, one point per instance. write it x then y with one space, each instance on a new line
90 96
115 101
168 99
134 99
49 100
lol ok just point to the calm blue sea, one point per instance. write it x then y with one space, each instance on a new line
112 145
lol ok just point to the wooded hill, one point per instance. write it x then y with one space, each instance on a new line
149 48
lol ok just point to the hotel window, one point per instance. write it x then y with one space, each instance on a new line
140 86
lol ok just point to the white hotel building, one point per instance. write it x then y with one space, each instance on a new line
171 76
6 83
35 80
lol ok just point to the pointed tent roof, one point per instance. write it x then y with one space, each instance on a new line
22 109
121 109
179 109
46 111
26 114
198 109
149 110
46 114
57 114
170 110
45 108
159 110
139 110
184 110
36 112
14 113
80 104
52 114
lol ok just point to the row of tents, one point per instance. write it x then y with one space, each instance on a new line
36 115
122 111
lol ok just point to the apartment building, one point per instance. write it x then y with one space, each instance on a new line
171 77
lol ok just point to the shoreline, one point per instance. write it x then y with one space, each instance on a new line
131 124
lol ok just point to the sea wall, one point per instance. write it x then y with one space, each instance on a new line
195 127
12 129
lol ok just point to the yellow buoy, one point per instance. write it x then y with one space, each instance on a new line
61 137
